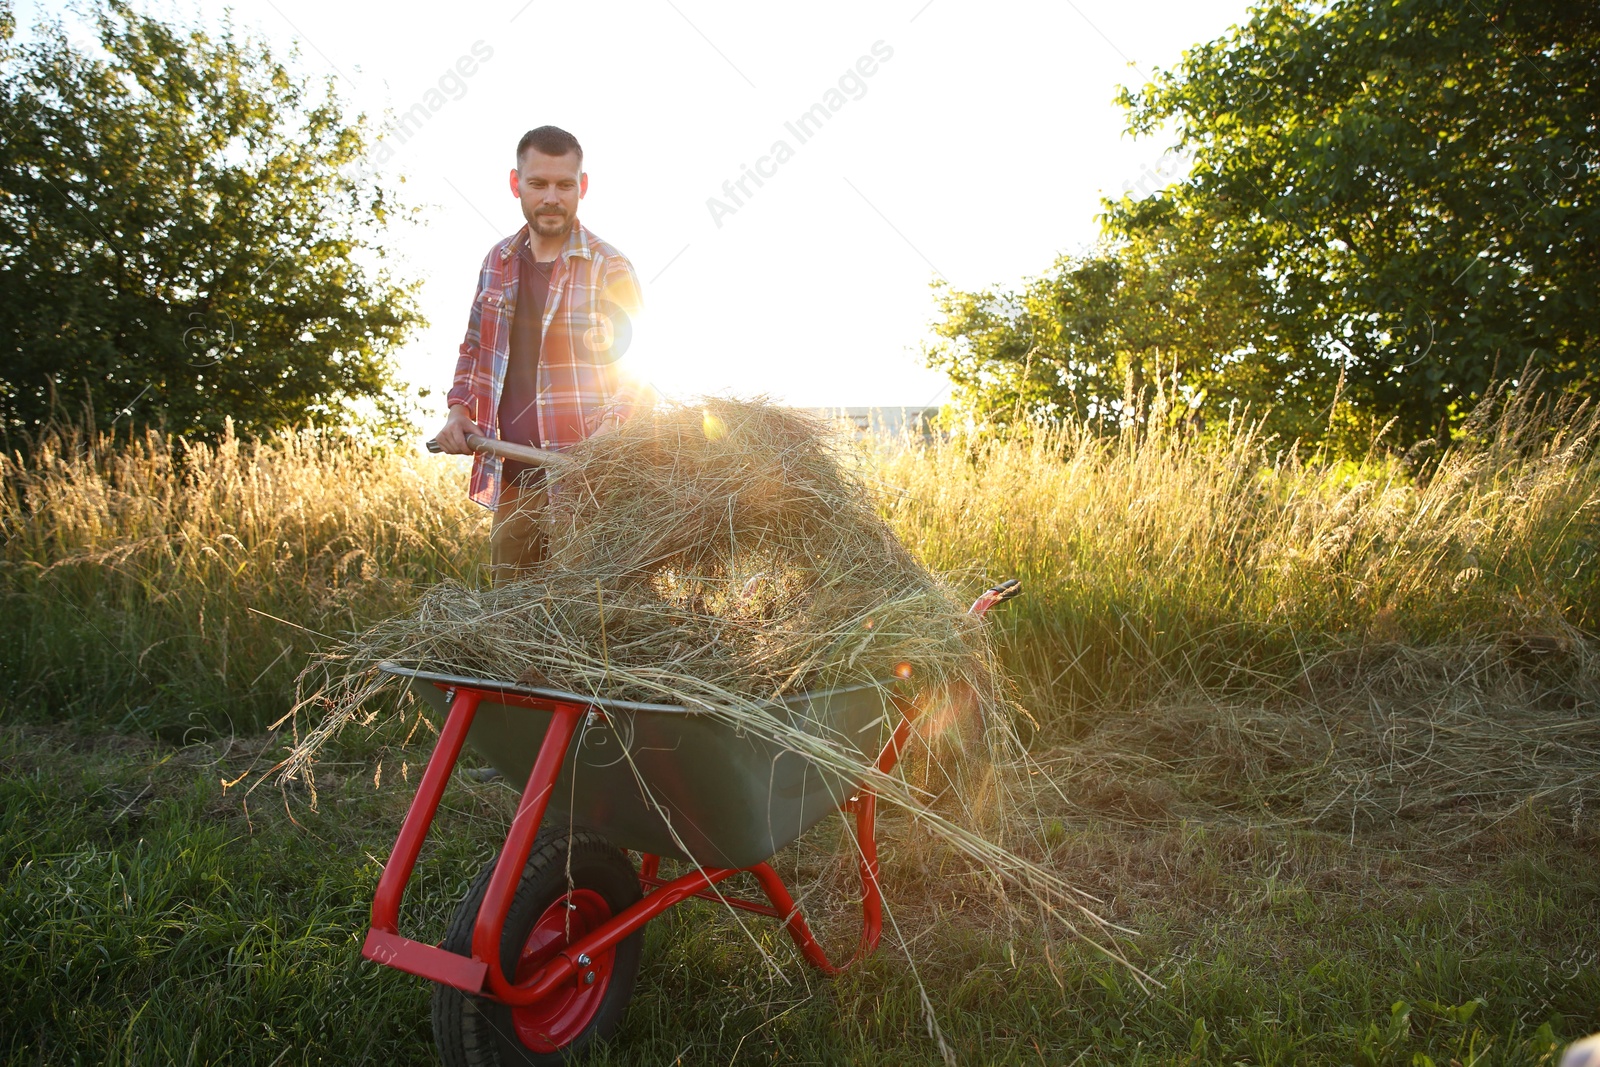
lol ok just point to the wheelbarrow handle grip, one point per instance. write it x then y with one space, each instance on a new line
995 595
1007 589
507 450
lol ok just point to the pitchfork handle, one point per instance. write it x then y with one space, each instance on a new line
507 450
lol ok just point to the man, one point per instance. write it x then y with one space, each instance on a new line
552 315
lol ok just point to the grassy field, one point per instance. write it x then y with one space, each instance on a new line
1325 733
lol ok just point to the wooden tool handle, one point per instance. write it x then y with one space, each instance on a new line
507 450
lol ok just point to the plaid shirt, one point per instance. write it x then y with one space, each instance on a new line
594 294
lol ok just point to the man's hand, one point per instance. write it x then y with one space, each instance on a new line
453 438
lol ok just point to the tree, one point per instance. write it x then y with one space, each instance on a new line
1391 203
186 235
1091 337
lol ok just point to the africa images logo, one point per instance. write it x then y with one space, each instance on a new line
852 85
451 86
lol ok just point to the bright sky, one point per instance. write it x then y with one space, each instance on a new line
976 151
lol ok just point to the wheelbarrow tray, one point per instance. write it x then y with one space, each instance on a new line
668 780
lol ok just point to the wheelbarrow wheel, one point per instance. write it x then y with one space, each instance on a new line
571 884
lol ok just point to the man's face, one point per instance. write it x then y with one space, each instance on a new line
549 188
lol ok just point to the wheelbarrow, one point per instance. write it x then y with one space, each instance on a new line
539 962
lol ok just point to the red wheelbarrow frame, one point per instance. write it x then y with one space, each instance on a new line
482 974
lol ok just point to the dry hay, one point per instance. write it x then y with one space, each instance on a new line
701 551
719 556
1390 746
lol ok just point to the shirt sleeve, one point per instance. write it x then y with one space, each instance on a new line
623 300
469 355
622 286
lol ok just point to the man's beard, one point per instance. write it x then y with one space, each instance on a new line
551 224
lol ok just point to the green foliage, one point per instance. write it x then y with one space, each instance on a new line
1088 342
186 236
1391 204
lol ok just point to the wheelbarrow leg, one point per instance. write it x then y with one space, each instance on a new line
384 943
871 892
871 896
865 806
502 888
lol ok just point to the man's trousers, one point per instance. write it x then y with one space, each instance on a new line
517 532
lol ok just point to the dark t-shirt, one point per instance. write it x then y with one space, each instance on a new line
519 398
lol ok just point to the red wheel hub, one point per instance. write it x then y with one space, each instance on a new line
556 1021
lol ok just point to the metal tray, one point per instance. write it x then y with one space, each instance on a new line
721 798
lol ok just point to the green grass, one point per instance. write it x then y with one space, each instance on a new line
150 919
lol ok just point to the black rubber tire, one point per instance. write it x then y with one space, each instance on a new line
474 1032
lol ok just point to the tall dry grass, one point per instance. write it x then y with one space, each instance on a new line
162 585
1160 561
157 584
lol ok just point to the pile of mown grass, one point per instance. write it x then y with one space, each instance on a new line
1219 628
729 549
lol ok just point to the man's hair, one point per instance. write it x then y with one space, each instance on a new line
550 141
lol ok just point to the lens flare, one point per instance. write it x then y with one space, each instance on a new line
951 710
714 428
